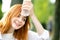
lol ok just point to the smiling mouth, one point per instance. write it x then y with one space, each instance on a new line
17 24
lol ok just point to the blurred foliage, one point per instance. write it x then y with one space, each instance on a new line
51 9
0 1
43 9
1 14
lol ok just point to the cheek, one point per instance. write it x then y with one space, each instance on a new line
17 26
23 23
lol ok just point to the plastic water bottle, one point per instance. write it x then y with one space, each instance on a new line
25 12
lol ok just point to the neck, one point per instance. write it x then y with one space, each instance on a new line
11 30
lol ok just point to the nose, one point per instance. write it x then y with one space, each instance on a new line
20 20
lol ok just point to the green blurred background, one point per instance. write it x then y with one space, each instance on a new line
1 14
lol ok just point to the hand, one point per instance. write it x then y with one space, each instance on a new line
26 7
32 12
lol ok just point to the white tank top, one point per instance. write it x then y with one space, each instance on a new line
31 36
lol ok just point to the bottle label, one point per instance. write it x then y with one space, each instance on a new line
25 12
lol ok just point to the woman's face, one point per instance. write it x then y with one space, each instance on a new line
18 22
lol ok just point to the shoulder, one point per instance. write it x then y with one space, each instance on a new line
45 35
32 33
34 36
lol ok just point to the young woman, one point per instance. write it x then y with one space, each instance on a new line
15 26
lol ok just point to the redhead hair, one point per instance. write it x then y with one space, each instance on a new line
5 23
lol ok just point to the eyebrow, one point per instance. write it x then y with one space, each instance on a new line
24 17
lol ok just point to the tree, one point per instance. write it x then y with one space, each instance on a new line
0 1
56 28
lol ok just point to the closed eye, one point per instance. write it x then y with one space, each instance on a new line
24 19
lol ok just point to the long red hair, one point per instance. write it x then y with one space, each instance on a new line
5 23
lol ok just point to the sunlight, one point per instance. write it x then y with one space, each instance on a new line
5 5
53 1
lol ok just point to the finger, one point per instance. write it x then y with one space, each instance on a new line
28 7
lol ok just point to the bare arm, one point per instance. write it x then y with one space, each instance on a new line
37 24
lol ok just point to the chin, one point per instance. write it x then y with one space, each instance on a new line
17 27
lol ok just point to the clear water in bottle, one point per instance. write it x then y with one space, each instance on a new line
25 12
